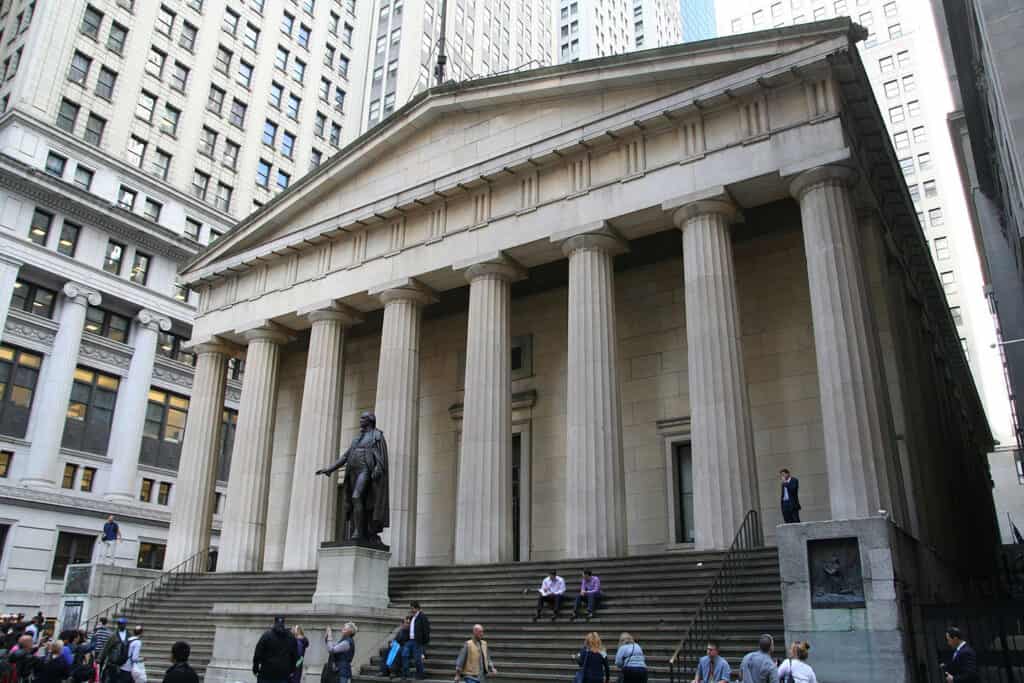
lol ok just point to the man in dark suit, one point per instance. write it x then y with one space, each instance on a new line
419 638
963 665
790 498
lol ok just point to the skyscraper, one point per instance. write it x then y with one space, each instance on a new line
587 30
698 18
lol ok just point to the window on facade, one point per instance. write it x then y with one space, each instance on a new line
144 109
276 94
151 555
188 36
170 345
223 198
164 431
71 549
891 89
114 257
231 150
90 411
224 57
155 63
19 373
207 142
146 490
948 279
887 64
281 58
179 77
682 457
298 69
895 31
94 127
229 420
263 173
245 71
193 228
903 58
283 179
215 100
39 230
230 21
890 9
6 459
88 479
55 164
315 157
117 38
901 141
105 83
958 317
339 99
907 166
942 252
343 64
140 266
915 192
287 24
163 493
294 103
287 144
200 185
269 133
930 189
302 38
170 120
69 476
92 20
68 241
251 37
126 199
335 138
896 114
136 151
79 70
920 134
67 115
151 209
165 21
238 110
33 299
909 83
325 89
346 35
924 160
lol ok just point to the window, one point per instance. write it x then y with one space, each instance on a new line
287 24
335 134
200 184
126 198
193 227
151 209
237 116
682 457
269 132
67 115
19 373
145 107
343 63
71 549
276 93
224 57
68 241
146 492
325 89
39 230
914 108
92 20
230 154
895 31
930 189
115 254
88 478
339 99
136 151
105 83
915 192
287 144
887 64
890 9
283 179
346 35
948 279
165 21
903 58
223 198
70 474
329 56
230 22
229 421
215 100
315 157
179 77
891 88
303 36
79 71
155 63
244 77
94 127
263 173
188 36
896 114
169 345
6 457
909 83
163 493
907 166
181 293
958 317
214 236
920 134
33 299
298 69
941 248
83 177
164 430
901 141
925 161
207 142
251 37
197 5
90 410
281 58
107 324
55 164
140 266
293 107
117 37
374 111
151 556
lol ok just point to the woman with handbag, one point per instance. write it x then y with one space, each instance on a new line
796 669
630 660
593 661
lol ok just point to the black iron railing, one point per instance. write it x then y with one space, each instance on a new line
707 620
196 564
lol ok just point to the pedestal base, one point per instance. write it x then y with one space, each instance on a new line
351 575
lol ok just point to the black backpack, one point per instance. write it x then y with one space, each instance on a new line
117 651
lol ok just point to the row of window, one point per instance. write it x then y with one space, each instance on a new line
67 120
901 139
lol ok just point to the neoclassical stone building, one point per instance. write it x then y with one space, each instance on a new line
595 308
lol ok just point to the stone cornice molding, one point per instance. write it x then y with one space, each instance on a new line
831 173
154 320
102 350
30 330
497 265
10 261
331 310
406 289
81 505
80 294
173 372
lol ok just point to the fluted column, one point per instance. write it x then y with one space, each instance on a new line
313 500
192 512
397 409
595 503
245 516
849 375
130 411
483 526
724 476
50 407
8 276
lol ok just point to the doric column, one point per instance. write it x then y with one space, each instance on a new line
130 411
245 516
54 390
192 514
8 276
724 476
483 526
849 375
397 408
595 503
313 500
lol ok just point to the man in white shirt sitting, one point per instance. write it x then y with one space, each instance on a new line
551 591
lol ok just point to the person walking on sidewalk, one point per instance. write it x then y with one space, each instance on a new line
474 664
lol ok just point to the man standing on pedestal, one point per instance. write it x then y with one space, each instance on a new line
790 497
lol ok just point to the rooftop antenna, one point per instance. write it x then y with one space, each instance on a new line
442 58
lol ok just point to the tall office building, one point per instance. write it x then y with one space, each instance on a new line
903 60
590 29
483 37
132 134
698 17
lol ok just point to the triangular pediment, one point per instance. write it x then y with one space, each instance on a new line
457 136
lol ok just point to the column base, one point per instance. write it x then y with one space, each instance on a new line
352 575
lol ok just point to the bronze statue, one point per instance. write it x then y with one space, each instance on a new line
364 497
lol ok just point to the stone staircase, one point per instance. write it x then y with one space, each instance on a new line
181 611
652 597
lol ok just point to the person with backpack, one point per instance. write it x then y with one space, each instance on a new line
100 636
132 671
276 654
593 661
115 654
342 651
796 669
630 660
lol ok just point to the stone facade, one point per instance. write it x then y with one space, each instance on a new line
595 335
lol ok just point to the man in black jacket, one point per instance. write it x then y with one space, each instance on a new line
180 671
419 638
790 498
963 665
276 654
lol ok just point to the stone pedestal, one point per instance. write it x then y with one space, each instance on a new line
351 575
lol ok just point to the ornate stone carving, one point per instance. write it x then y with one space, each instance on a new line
82 294
28 329
164 371
836 577
154 320
105 352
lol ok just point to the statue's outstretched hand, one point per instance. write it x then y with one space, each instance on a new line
323 471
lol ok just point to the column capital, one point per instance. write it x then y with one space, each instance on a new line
597 236
822 174
213 344
702 207
153 320
405 289
496 264
331 310
81 294
265 330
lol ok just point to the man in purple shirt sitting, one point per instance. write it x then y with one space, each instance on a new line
590 590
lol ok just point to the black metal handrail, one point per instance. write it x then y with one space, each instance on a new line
706 622
195 564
